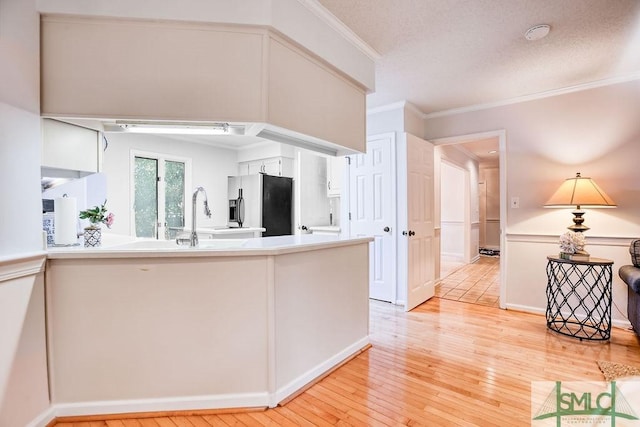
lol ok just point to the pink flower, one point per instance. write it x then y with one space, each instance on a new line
109 220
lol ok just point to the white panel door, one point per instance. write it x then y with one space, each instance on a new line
420 222
371 208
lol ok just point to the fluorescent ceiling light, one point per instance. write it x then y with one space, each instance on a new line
182 129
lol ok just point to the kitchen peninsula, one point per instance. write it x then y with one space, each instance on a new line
150 326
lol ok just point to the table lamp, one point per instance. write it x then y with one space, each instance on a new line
579 192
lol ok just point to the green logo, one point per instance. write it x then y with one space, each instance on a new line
578 407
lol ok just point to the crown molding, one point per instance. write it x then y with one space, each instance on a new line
338 26
535 96
396 106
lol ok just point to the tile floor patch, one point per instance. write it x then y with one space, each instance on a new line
475 283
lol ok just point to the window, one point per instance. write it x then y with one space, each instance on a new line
159 189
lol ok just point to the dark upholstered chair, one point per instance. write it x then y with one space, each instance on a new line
631 276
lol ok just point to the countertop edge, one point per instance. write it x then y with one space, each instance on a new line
203 253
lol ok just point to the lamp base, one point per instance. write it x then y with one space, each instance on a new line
579 228
578 221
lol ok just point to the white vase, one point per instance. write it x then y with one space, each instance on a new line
92 237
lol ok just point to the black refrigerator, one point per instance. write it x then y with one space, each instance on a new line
261 200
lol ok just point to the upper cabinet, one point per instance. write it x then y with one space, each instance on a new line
153 70
69 147
277 166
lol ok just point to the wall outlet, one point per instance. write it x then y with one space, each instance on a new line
515 202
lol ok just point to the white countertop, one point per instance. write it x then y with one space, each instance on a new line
149 248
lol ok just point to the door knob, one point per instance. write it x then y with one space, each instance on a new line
412 233
386 229
404 233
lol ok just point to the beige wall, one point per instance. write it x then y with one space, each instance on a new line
292 18
595 132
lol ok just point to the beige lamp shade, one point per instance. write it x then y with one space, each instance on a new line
579 192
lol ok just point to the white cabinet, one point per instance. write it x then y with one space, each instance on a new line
69 147
335 168
278 166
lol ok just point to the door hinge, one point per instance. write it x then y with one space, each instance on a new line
348 160
349 216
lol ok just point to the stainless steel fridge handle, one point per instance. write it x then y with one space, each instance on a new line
240 208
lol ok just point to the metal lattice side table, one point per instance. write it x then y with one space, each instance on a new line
579 297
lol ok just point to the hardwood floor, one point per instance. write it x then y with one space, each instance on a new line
477 283
446 363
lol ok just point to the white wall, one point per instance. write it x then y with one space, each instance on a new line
19 128
210 167
23 376
595 132
454 156
452 212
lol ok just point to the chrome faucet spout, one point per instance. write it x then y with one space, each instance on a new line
193 239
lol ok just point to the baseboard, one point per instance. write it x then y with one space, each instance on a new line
294 386
618 323
44 419
245 400
162 405
526 309
452 257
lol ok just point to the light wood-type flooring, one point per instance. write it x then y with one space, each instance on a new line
477 283
446 363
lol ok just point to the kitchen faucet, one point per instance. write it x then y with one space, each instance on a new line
193 238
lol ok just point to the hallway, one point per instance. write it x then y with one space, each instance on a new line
477 283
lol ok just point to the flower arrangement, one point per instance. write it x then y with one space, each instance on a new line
572 242
98 215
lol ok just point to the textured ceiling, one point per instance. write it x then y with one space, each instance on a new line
445 54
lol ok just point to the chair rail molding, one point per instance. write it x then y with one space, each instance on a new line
18 266
553 238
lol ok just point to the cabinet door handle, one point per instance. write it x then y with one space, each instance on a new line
386 229
404 233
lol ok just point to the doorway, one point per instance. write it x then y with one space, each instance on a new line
476 275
